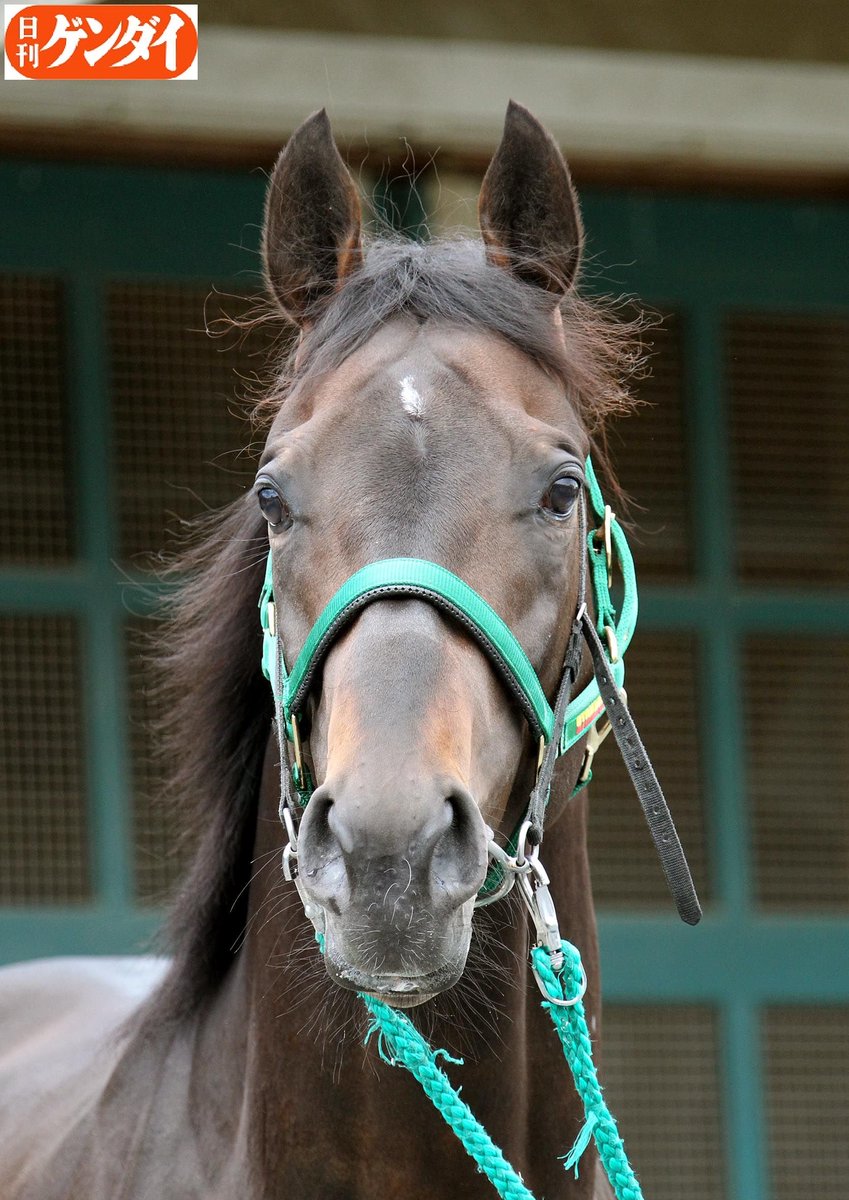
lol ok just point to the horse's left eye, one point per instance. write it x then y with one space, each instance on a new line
561 496
273 507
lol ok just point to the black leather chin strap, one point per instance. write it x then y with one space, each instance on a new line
646 785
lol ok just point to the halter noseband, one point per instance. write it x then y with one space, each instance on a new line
558 727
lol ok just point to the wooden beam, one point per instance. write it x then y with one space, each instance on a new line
616 112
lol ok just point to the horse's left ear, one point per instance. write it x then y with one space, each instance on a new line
312 236
529 214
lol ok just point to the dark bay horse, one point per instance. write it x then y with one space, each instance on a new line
440 403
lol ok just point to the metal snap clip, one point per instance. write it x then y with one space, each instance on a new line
573 1000
524 861
289 826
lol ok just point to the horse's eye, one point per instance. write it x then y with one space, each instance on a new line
561 496
273 507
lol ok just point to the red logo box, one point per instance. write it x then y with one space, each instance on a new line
103 41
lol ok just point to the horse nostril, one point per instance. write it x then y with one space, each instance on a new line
459 859
321 856
341 828
461 805
316 821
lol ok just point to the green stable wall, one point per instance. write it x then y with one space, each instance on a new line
703 259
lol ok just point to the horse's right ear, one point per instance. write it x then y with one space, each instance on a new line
312 235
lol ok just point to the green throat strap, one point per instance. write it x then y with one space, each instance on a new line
414 577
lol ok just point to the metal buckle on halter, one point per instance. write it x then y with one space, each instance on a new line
595 737
299 753
604 534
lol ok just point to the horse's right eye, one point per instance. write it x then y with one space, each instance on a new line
561 496
274 508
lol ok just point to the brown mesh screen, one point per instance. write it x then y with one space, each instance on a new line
655 435
43 852
797 712
160 853
35 494
177 399
661 1081
661 685
807 1092
788 380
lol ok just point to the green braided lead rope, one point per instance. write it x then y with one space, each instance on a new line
571 1026
401 1044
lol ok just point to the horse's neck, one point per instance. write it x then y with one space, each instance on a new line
320 1107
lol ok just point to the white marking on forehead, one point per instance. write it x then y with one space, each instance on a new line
411 401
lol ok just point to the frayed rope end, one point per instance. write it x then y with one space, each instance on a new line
583 1140
399 1043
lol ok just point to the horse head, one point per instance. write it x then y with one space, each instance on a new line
435 412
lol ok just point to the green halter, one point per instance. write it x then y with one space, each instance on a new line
415 577
555 964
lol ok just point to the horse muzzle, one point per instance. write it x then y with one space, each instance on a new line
395 879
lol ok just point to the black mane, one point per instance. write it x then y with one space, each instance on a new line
451 281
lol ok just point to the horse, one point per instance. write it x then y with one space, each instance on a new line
439 406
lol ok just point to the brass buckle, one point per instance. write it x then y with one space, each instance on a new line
612 643
595 737
299 755
604 534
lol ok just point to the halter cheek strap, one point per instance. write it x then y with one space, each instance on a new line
558 727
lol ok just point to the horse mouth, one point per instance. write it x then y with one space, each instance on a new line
398 991
393 1000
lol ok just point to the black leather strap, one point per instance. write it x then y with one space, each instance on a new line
542 787
645 782
571 666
